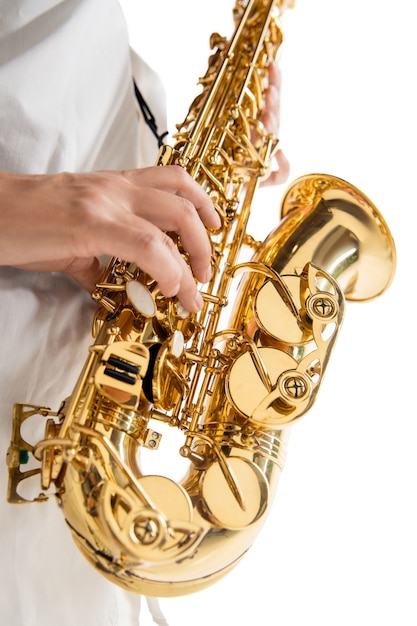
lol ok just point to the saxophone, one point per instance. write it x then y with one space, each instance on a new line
230 380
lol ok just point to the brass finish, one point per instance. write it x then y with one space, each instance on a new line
230 379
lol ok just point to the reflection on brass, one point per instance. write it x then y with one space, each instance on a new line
230 380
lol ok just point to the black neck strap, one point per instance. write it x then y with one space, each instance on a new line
148 116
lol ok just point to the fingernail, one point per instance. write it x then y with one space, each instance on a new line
199 301
181 310
218 221
208 274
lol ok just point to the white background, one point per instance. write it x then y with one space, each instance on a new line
340 546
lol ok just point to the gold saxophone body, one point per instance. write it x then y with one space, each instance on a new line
229 380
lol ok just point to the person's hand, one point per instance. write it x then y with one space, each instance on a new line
271 119
64 222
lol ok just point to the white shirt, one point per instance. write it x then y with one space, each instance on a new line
66 103
66 100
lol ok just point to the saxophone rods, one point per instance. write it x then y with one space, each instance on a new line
232 379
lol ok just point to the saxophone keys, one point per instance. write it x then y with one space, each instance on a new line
252 383
141 298
235 492
119 376
176 344
169 383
